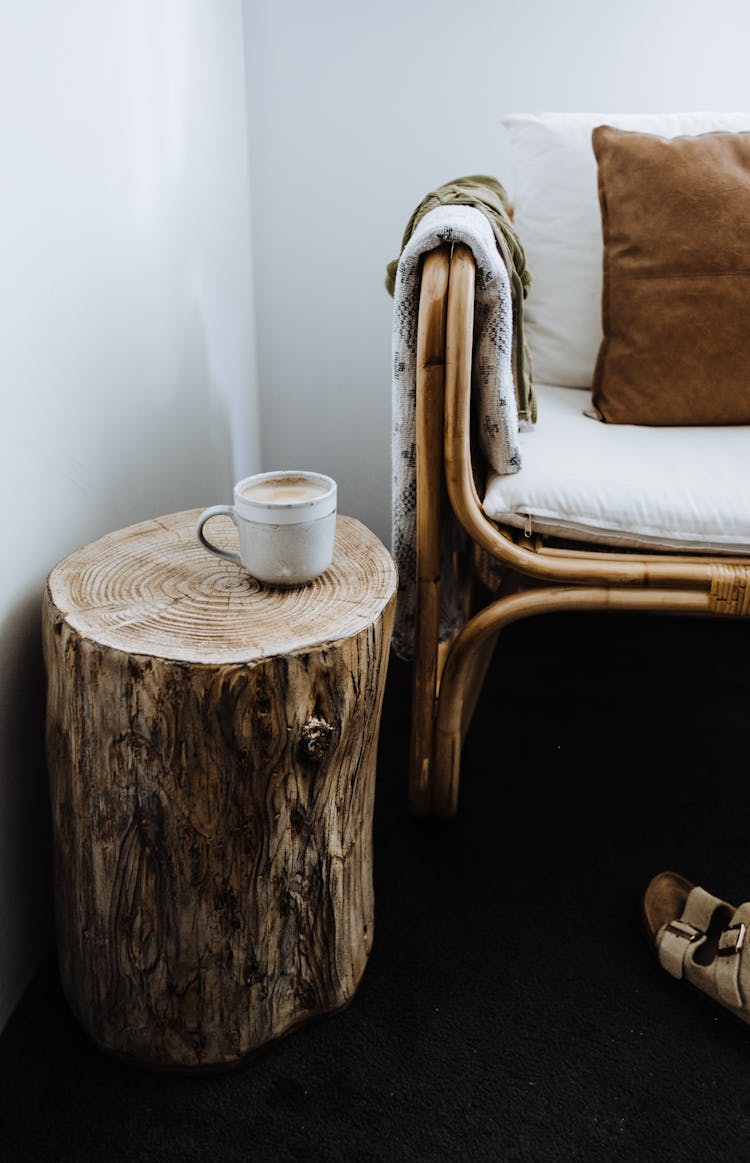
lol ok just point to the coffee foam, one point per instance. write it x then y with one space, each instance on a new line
284 490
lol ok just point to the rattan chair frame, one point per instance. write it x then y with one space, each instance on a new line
539 576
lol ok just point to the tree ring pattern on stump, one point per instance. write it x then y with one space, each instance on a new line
138 591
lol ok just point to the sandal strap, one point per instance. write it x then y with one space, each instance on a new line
687 933
732 973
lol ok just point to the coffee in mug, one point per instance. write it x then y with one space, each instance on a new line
286 522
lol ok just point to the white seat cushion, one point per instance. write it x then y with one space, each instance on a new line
684 489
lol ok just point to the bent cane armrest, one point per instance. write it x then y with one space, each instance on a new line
577 566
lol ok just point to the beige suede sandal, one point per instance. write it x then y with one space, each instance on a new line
700 939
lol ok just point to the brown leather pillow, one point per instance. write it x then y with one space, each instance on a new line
676 278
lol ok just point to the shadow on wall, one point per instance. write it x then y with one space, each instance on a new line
25 853
172 449
175 453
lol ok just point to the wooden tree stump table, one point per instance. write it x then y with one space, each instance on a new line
211 746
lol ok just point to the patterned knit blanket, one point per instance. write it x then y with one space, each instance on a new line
493 398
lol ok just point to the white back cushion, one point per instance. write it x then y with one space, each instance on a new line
555 196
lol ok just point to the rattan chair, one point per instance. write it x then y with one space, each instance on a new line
507 574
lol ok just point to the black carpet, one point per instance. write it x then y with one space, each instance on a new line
510 1010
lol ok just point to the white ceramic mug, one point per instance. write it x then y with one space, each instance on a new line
286 521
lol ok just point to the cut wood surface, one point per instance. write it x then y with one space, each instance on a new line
211 747
152 589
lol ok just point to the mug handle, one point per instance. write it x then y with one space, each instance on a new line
206 515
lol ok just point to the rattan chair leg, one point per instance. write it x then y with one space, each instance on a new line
469 646
430 388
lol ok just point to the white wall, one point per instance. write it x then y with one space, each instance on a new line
126 305
356 112
127 364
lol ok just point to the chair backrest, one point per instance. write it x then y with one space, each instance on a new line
553 188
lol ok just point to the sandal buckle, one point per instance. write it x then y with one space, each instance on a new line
738 931
684 930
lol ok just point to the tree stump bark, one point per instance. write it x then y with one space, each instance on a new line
211 748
